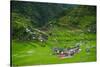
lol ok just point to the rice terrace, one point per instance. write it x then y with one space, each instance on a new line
52 33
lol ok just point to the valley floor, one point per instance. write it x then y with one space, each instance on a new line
32 53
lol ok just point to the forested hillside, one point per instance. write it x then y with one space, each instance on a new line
42 15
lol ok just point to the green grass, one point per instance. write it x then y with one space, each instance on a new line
31 52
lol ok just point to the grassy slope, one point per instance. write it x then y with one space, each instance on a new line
31 53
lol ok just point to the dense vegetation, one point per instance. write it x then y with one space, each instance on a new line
39 27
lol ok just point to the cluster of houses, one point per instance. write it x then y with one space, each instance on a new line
66 52
37 36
